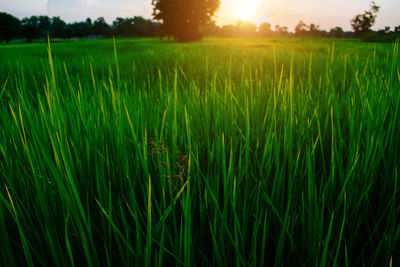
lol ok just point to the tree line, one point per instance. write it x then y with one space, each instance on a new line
191 19
184 21
36 27
248 29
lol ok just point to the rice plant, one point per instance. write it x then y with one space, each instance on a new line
257 152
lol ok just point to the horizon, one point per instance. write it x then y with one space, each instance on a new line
284 12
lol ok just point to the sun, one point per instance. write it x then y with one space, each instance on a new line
245 9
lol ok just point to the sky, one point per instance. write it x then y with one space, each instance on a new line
326 13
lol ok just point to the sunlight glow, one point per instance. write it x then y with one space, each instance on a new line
245 9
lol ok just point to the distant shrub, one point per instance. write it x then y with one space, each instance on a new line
370 37
373 37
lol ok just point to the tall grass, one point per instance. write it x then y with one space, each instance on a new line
230 152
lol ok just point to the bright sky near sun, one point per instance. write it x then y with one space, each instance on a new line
327 13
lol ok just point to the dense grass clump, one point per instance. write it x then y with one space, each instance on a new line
226 152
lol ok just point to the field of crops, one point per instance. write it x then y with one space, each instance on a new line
227 152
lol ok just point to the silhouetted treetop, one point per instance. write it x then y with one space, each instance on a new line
136 26
336 32
9 27
100 27
265 29
182 19
362 23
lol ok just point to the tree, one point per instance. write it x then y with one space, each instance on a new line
60 29
44 25
245 28
30 28
182 19
41 26
9 27
362 23
30 32
300 29
122 26
228 30
314 30
336 32
211 29
100 27
136 26
282 31
265 29
141 26
82 29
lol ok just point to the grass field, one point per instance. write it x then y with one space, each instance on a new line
227 152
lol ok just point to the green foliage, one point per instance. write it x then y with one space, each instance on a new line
265 29
60 29
30 32
336 32
362 23
221 153
100 27
136 26
312 30
9 27
36 27
242 29
182 19
373 37
300 28
82 28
